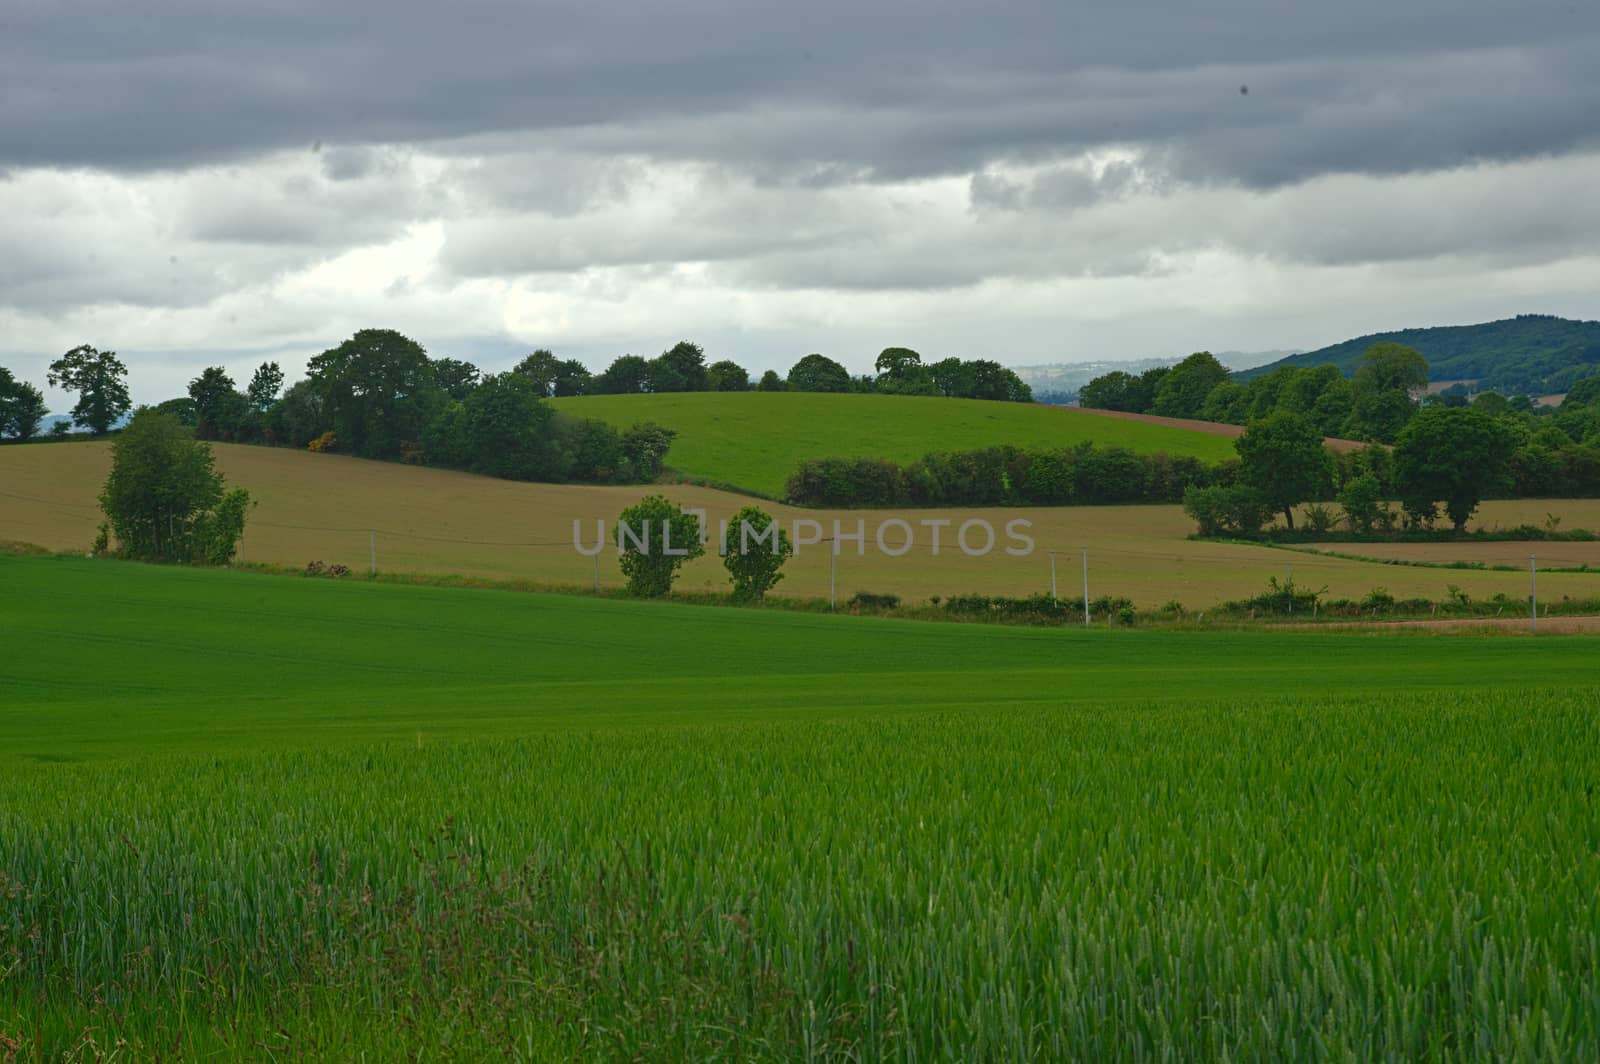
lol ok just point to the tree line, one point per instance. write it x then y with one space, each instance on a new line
1446 461
1374 405
380 395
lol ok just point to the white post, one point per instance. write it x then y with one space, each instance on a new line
1052 576
597 572
241 546
1086 585
372 549
833 553
1533 590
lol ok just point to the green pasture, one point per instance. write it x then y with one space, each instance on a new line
755 440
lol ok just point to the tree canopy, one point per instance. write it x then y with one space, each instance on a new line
101 381
1451 455
1283 459
818 373
22 407
164 499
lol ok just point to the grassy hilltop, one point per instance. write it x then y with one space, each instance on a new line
244 816
754 440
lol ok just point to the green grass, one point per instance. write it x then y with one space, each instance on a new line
754 440
245 815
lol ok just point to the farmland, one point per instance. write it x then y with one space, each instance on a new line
754 440
320 507
244 814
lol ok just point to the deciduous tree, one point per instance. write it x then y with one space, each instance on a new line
1451 455
21 407
165 500
655 537
754 554
1283 459
101 381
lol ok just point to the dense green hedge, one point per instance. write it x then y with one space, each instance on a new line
1004 476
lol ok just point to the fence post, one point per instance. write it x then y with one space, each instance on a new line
1533 591
1085 585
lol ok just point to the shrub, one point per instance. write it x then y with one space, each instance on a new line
1362 501
753 566
1378 599
1320 519
1236 510
164 499
328 441
867 601
655 538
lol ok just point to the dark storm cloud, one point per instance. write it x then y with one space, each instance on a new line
826 91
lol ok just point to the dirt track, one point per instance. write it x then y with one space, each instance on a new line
1210 428
1505 625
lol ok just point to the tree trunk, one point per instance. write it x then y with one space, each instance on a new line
1288 517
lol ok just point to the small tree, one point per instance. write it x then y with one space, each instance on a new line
645 447
165 500
100 380
1362 500
655 537
757 548
771 382
1282 457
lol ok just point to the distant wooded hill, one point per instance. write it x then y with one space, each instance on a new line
1531 354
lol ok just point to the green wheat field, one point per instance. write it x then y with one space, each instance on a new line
286 818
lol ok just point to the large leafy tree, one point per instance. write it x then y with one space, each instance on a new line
220 409
554 376
165 500
264 386
571 378
655 537
1385 390
454 377
901 372
505 429
625 376
991 380
726 376
1183 390
379 391
1283 459
754 553
1452 455
101 381
21 407
818 373
680 368
895 362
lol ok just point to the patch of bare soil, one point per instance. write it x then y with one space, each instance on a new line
1475 625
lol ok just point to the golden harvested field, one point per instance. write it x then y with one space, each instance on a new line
322 506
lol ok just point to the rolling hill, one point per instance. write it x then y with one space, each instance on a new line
752 441
342 510
1531 354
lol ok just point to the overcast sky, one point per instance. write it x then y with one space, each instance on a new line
192 183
